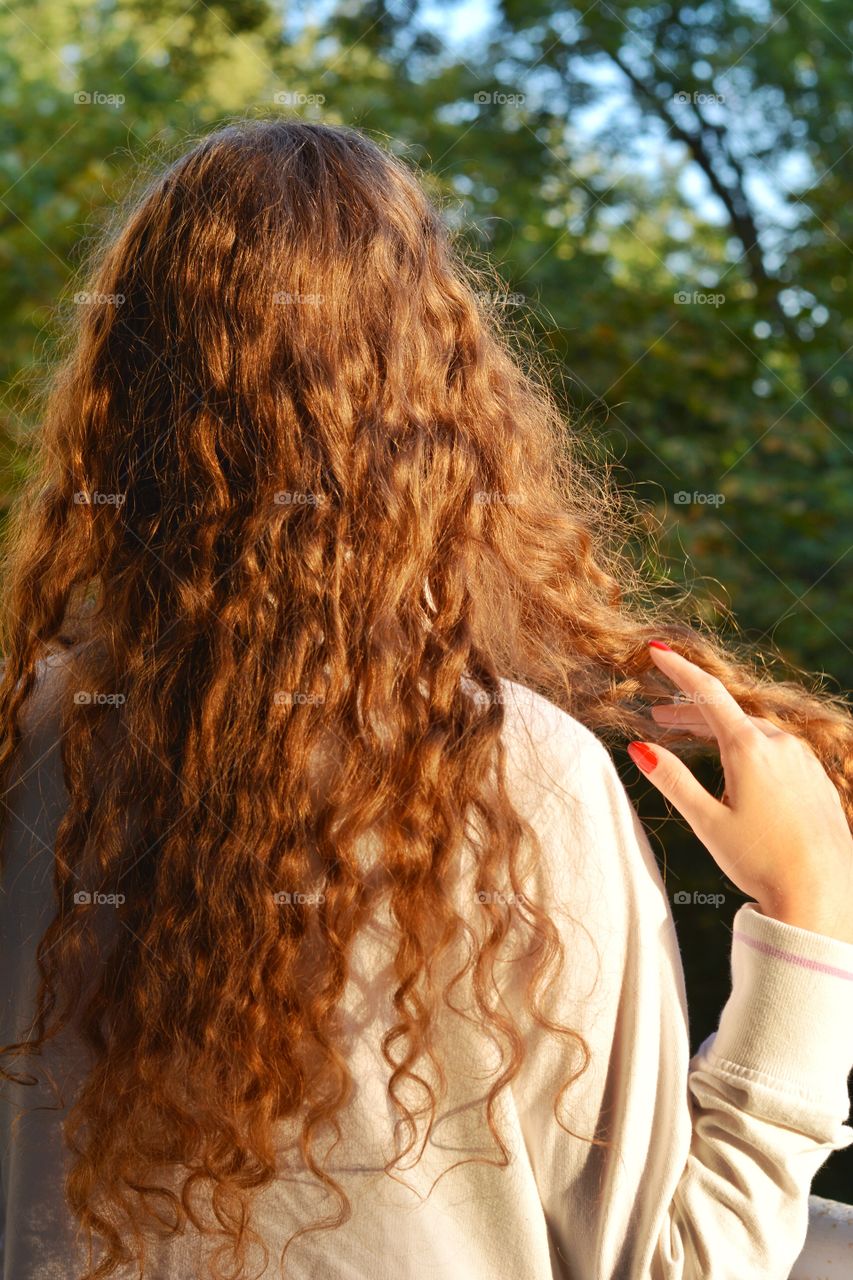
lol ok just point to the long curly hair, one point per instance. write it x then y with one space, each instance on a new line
298 506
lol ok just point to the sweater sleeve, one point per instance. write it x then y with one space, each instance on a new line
674 1169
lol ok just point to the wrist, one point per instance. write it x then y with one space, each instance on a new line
830 920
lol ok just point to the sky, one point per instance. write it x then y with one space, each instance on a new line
463 25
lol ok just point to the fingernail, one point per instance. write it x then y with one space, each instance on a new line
644 758
659 644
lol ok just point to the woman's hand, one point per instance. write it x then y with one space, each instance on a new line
781 836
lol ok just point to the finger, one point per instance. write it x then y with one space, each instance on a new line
719 708
688 715
682 715
673 711
767 726
695 729
675 781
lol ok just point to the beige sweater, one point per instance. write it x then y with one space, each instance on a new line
708 1172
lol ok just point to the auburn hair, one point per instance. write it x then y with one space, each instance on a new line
299 503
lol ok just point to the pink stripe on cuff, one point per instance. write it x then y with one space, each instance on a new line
778 954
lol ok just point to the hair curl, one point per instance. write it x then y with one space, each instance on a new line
296 495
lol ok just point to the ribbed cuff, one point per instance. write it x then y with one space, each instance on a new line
789 1019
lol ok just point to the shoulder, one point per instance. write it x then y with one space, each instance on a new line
541 735
34 787
40 717
561 775
565 782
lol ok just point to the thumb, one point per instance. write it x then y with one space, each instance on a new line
675 781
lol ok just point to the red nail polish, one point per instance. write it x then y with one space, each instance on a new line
644 758
659 644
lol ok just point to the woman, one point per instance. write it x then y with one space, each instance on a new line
333 943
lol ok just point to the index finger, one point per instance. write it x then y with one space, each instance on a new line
723 714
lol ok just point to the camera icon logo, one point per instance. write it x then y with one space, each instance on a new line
681 897
82 896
